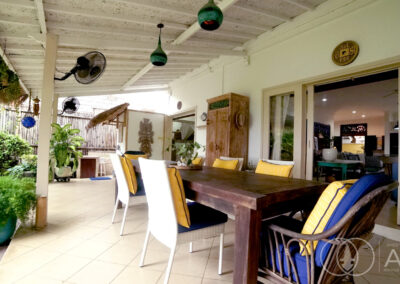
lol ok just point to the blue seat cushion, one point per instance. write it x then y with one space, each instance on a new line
140 187
359 189
201 217
299 261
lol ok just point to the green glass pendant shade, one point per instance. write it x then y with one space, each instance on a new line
159 57
210 16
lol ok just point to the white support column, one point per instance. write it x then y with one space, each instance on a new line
55 109
45 129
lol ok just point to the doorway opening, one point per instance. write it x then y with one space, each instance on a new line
183 131
356 130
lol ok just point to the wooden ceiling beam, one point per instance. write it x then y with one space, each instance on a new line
262 12
93 13
303 5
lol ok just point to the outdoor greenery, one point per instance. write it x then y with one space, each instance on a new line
28 164
187 152
286 144
12 147
10 90
64 146
17 198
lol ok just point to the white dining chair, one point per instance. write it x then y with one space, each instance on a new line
123 194
162 223
240 163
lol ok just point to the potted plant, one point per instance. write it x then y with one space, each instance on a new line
27 167
12 147
10 89
17 198
187 152
64 151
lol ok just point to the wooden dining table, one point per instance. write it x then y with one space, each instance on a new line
250 198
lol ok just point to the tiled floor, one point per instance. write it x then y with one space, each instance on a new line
80 245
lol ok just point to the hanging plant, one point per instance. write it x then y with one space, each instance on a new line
10 90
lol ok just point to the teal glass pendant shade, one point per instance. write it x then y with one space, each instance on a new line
210 16
159 57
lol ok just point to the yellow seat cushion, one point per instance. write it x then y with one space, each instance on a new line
225 164
135 157
197 161
323 210
130 175
178 194
273 170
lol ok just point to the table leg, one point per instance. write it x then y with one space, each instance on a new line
344 172
247 245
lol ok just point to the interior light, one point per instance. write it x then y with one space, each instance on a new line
354 112
363 115
324 99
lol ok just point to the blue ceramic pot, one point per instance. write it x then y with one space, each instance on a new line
7 229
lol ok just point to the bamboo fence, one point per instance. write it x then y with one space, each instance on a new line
99 138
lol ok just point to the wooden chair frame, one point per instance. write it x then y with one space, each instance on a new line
344 230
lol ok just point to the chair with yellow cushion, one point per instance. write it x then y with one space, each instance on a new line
240 161
198 161
308 252
228 163
275 168
171 220
128 185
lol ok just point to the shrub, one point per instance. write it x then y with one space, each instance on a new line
12 147
28 164
17 198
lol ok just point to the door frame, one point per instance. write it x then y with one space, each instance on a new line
168 128
309 95
299 129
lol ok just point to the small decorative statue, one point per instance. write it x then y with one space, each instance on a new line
146 134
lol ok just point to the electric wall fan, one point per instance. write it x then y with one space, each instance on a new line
70 105
88 68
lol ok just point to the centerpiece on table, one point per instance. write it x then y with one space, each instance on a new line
187 153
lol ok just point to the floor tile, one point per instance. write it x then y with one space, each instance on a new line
97 272
90 249
63 267
137 275
120 253
181 279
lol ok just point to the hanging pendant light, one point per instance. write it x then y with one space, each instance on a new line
159 57
210 16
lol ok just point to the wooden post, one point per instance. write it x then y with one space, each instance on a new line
42 182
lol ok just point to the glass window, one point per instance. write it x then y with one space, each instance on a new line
281 127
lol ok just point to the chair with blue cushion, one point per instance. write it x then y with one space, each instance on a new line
283 256
163 221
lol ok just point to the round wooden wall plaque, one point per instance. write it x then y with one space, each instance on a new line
345 53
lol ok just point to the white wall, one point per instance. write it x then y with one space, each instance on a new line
376 125
292 54
158 128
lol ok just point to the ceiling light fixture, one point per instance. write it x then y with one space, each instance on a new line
353 112
210 16
324 99
363 115
159 57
